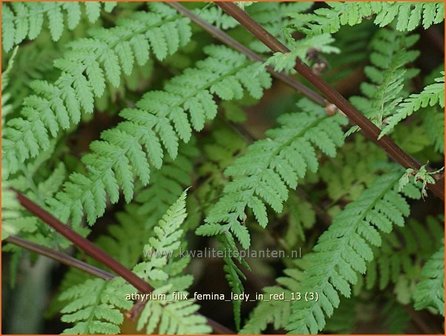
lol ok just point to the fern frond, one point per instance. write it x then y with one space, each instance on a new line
126 238
25 20
301 217
274 17
407 16
270 167
135 223
433 123
156 125
273 311
350 172
96 306
353 43
39 180
34 62
431 95
166 185
123 241
166 240
430 291
215 16
167 315
220 150
300 49
13 219
234 275
6 95
87 67
344 250
387 74
397 259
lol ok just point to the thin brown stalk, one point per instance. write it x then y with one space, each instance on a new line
332 95
60 257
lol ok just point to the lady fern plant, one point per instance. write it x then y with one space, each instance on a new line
225 195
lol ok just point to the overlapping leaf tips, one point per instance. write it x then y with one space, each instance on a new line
13 219
166 185
96 306
430 291
155 126
270 167
388 74
396 260
406 15
25 20
168 315
431 95
276 312
89 65
345 248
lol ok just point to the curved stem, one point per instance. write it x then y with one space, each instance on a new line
370 129
60 257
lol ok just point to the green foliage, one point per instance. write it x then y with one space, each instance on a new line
95 306
157 124
398 258
405 15
165 186
341 252
275 16
10 205
431 95
344 250
169 316
422 176
301 217
349 173
433 124
352 43
39 181
387 74
13 218
109 115
276 312
6 96
301 49
220 150
430 290
32 62
88 66
135 223
215 16
25 20
263 175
